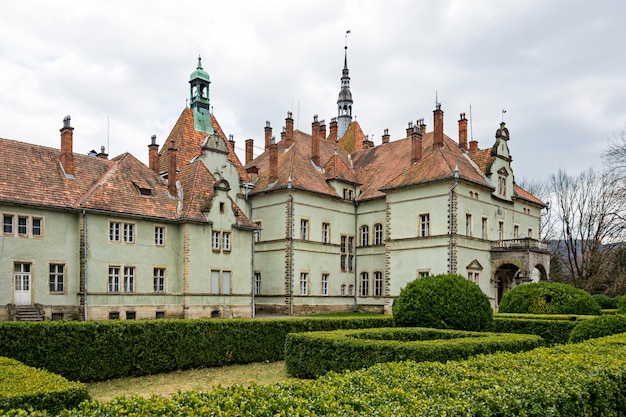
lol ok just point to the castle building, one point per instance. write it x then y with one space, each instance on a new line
318 222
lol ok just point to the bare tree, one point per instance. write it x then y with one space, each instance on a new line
590 210
548 229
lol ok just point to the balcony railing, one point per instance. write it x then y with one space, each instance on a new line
520 244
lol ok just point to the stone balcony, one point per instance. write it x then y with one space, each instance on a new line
512 245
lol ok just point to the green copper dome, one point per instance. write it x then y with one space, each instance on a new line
199 73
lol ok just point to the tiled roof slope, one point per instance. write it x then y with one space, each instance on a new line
481 157
295 161
352 140
118 191
525 195
31 174
189 142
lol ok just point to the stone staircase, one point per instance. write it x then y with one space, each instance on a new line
27 313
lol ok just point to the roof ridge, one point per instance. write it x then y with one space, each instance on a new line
87 194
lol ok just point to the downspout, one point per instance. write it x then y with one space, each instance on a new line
456 182
85 265
252 301
291 252
356 237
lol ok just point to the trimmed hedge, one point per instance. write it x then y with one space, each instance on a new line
605 302
586 379
24 387
553 331
310 355
598 327
445 301
95 351
548 298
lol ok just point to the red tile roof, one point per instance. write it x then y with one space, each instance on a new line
352 140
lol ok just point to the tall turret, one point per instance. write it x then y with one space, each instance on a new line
344 102
199 102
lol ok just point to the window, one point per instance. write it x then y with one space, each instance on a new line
215 240
500 230
56 316
516 231
530 233
364 284
347 253
114 231
378 284
502 185
304 229
365 235
36 226
378 234
7 224
424 226
160 315
423 273
257 283
215 282
226 241
21 276
468 224
484 227
257 232
129 279
325 284
225 282
131 315
159 235
343 289
158 279
56 277
114 279
129 233
348 193
325 233
114 315
222 207
22 226
474 276
304 283
350 290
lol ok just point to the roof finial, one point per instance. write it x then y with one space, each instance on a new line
199 62
345 62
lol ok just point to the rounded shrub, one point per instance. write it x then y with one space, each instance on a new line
598 327
621 305
446 301
605 302
548 298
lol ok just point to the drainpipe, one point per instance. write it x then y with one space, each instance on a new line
252 300
356 237
456 182
291 252
85 265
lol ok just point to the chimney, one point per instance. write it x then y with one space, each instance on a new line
463 131
333 129
322 130
249 150
67 153
409 130
438 127
273 162
171 170
288 130
103 154
416 145
386 136
231 140
473 146
315 141
268 134
422 126
153 155
367 143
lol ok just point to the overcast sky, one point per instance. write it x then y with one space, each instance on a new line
121 70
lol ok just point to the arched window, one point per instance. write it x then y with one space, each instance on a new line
364 285
378 284
365 235
378 234
350 290
343 289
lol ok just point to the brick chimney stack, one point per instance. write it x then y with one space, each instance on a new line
463 132
422 126
249 150
153 154
386 136
409 130
333 127
416 145
67 153
473 146
171 170
273 175
315 141
288 130
231 141
438 127
103 154
322 130
268 134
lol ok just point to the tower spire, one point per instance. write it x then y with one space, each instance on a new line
344 102
199 99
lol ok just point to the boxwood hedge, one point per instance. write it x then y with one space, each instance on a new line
585 379
24 387
548 298
92 351
554 330
598 327
312 354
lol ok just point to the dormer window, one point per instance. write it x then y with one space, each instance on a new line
502 179
348 194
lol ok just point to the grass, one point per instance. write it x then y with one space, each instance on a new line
201 379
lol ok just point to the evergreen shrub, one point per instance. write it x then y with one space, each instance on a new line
548 298
446 301
553 330
96 351
598 327
621 305
605 302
